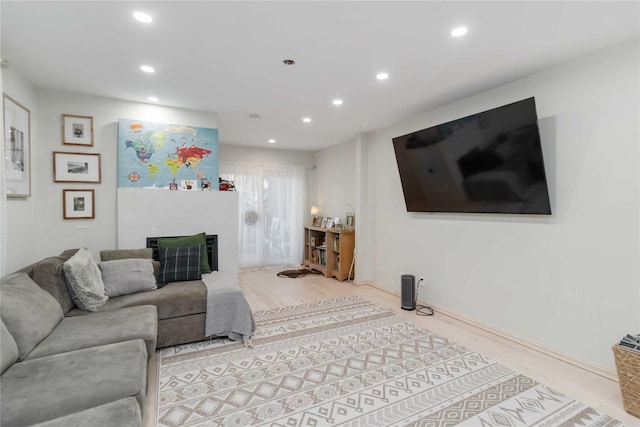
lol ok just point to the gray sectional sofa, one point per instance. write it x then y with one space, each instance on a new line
62 366
181 306
55 366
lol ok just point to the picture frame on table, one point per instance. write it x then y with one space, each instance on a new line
329 223
76 167
78 204
323 223
17 148
351 220
77 130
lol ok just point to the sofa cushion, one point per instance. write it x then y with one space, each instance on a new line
8 348
121 413
174 300
115 254
126 276
49 276
186 241
84 280
29 312
75 333
50 387
180 264
181 330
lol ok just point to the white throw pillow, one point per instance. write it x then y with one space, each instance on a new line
84 281
126 276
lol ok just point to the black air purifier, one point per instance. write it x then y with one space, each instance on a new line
408 291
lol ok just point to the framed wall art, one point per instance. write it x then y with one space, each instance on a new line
159 155
76 167
78 204
17 148
77 130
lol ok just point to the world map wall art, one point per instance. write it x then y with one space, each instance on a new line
167 156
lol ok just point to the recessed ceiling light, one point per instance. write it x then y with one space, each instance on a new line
307 120
337 102
147 69
142 17
459 32
272 141
153 98
382 76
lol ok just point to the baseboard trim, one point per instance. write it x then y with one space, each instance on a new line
525 342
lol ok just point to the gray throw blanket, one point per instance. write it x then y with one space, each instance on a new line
228 313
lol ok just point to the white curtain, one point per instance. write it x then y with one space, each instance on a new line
271 212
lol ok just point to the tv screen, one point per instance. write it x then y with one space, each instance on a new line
490 162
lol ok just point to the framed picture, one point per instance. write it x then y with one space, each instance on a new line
76 167
323 223
77 130
351 221
337 224
78 204
17 148
329 222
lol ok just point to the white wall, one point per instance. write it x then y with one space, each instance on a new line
335 180
21 212
267 155
569 281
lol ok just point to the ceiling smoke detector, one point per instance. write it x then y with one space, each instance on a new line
288 62
255 116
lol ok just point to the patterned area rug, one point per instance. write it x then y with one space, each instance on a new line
349 362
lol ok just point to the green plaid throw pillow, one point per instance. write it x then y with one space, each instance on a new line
179 264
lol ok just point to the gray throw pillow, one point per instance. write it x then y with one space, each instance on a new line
8 348
84 280
126 276
29 312
113 254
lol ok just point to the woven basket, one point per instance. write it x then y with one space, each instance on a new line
628 367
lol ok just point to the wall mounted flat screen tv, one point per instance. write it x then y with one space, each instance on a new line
490 162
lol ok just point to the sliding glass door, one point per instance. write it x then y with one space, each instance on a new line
271 213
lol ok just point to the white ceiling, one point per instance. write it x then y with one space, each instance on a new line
227 57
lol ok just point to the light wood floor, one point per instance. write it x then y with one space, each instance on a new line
264 290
